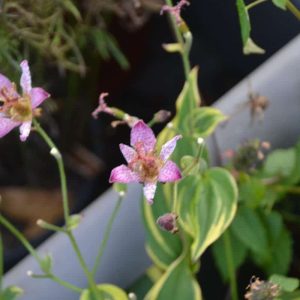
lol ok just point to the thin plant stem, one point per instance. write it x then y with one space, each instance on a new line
88 274
255 3
60 164
11 228
60 281
106 235
230 265
33 252
180 40
293 9
58 157
175 197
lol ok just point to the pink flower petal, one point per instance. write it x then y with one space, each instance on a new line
168 148
25 130
169 172
5 82
128 152
38 96
149 191
142 136
6 125
25 81
123 174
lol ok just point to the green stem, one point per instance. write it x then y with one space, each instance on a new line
64 283
180 40
293 9
175 198
58 157
10 227
230 266
88 274
60 164
106 235
255 3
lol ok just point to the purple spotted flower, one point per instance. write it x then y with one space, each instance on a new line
144 164
18 110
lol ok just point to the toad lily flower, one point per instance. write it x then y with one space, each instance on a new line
17 110
144 164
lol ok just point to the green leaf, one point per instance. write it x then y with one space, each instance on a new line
249 229
239 253
106 292
71 7
249 46
213 209
74 221
287 284
280 162
244 20
46 263
177 283
251 191
280 3
204 120
116 53
11 293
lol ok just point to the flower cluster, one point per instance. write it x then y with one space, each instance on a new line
262 290
144 164
18 110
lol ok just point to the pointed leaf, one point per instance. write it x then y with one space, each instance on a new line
177 283
280 3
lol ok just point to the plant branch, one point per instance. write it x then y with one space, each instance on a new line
106 235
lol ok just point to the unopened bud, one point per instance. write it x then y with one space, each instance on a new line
167 222
265 145
29 273
162 116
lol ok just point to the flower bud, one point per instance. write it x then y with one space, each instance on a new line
167 222
162 116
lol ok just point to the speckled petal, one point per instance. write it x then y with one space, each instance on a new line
123 174
128 152
168 148
38 96
6 125
149 191
142 136
25 130
5 82
25 81
169 172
